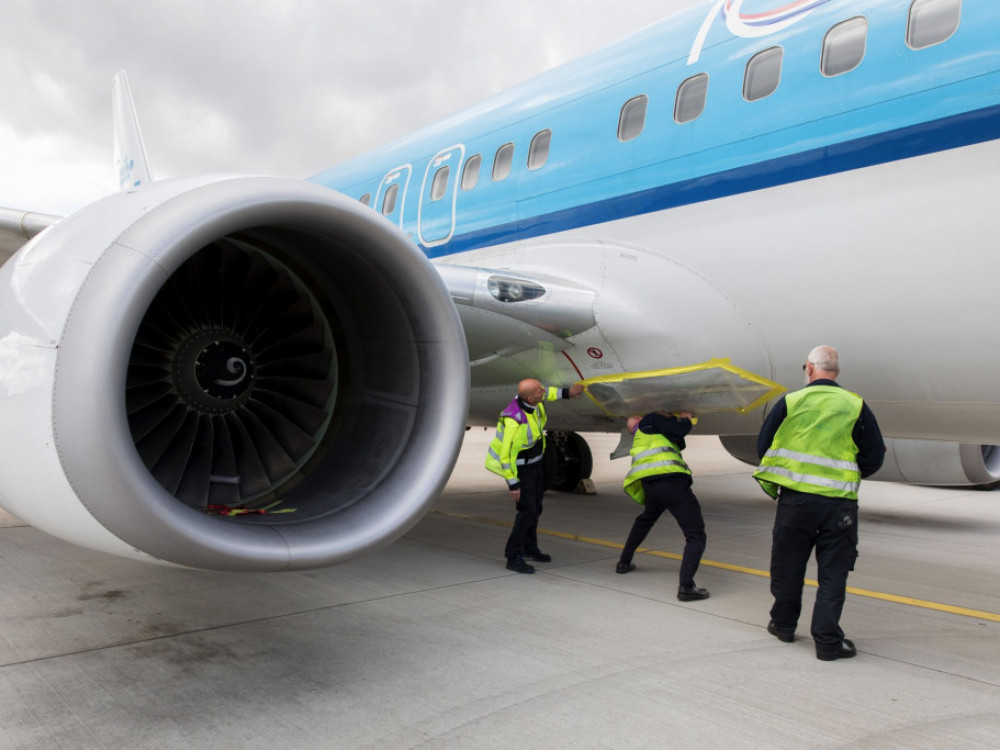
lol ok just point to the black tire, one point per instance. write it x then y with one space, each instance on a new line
572 460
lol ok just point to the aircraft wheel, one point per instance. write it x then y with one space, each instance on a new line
567 460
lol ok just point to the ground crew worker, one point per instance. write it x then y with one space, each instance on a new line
661 481
815 446
516 455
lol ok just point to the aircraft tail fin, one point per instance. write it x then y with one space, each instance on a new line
131 161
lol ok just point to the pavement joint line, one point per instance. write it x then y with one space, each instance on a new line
867 593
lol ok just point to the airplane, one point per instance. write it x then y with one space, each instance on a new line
253 373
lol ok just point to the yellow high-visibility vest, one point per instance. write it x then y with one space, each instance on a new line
813 450
517 430
652 455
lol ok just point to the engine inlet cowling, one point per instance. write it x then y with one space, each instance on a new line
257 344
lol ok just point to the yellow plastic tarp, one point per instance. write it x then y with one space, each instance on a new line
713 386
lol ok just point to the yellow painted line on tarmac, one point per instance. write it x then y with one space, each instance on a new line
964 611
907 600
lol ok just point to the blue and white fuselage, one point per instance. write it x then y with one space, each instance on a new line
851 208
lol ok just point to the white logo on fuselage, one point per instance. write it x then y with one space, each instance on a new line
750 25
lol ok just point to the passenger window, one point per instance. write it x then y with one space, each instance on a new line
762 74
844 47
632 119
440 183
932 21
503 161
366 199
389 201
690 100
470 172
538 151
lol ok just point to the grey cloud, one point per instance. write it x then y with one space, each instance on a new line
277 87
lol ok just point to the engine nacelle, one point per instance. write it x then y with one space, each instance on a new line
243 343
930 462
934 462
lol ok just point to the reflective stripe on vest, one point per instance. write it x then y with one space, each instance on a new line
492 454
812 479
652 455
813 449
820 461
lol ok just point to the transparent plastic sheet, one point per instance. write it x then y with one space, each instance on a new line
713 386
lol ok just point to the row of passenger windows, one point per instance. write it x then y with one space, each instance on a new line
929 22
503 163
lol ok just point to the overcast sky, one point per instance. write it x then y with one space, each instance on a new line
285 87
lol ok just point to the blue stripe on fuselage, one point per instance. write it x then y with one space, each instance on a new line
965 129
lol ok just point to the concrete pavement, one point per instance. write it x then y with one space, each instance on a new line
432 643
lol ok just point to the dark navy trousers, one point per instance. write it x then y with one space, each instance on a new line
830 525
524 536
677 498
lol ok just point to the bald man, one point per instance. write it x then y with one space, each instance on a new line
815 446
516 455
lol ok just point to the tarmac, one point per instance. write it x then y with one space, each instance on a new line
432 643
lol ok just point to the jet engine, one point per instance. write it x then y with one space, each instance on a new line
935 462
231 373
930 462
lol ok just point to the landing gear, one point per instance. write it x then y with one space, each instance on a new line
567 461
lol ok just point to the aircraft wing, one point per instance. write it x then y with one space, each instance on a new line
17 227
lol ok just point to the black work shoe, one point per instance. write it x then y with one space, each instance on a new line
518 565
846 651
538 556
624 567
780 634
691 593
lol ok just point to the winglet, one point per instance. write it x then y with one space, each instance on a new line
131 161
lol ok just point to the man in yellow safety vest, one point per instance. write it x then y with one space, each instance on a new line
661 480
815 446
515 454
